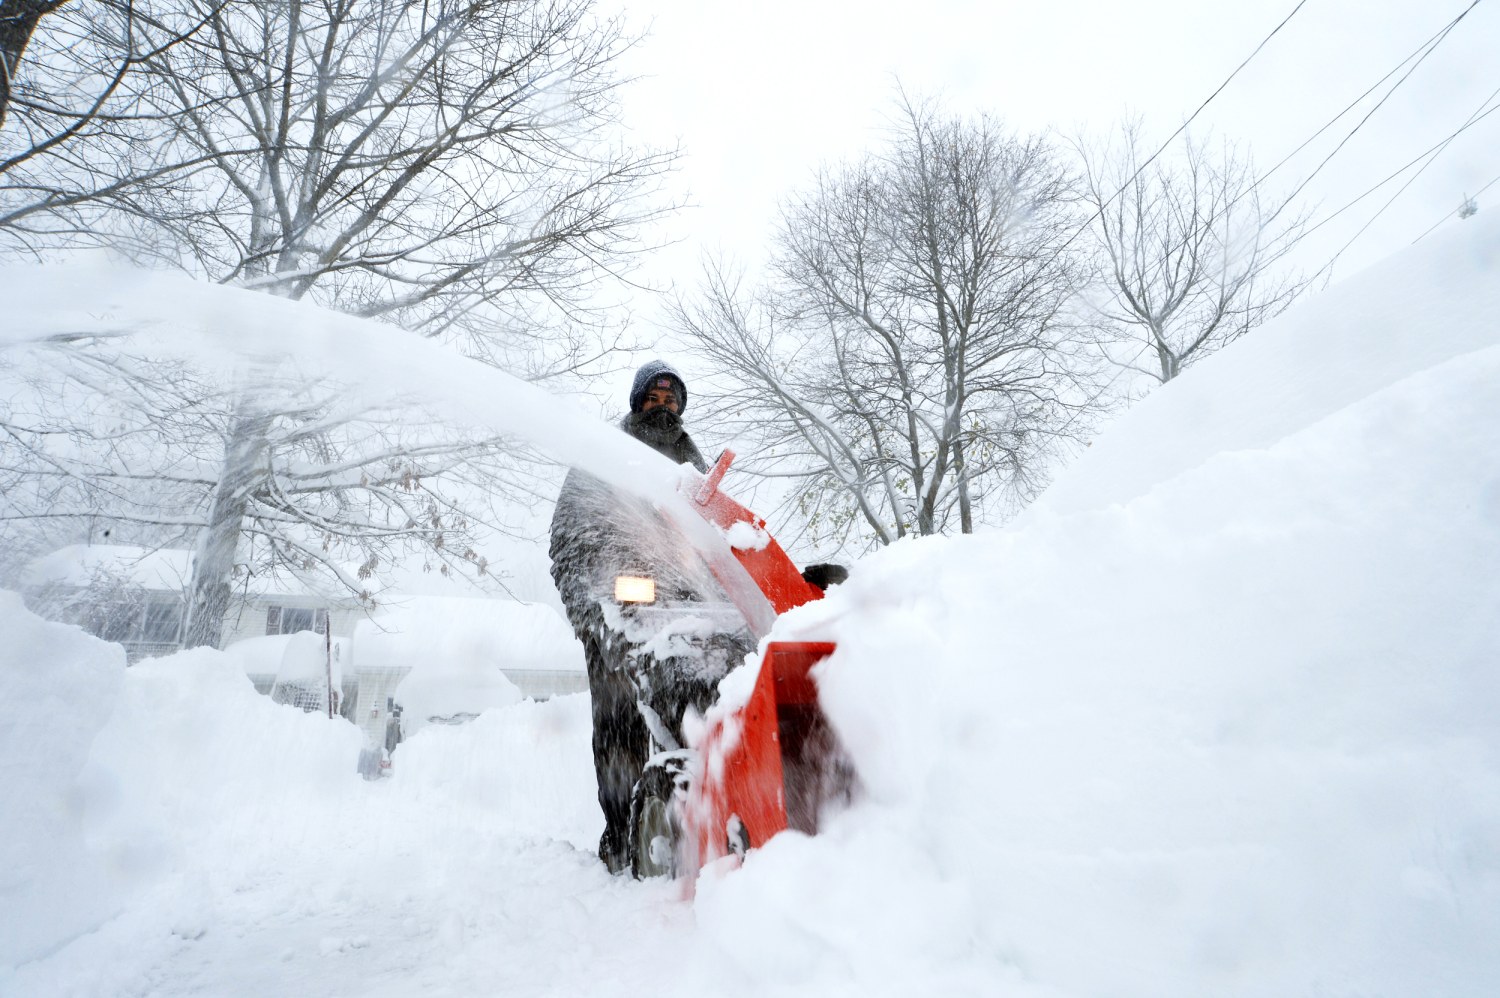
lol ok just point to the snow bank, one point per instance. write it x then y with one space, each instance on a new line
529 767
164 569
118 779
265 655
1411 312
57 688
188 738
1232 733
452 691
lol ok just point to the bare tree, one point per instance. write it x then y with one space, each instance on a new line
1190 253
336 490
79 131
441 164
449 166
912 354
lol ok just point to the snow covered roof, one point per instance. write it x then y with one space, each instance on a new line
161 570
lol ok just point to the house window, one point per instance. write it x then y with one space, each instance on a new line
162 623
117 621
291 619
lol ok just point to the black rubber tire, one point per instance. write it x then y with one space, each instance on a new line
656 821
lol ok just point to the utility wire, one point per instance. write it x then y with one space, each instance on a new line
1420 54
1180 129
1440 221
1431 155
1122 368
1431 151
1227 80
1437 37
1426 49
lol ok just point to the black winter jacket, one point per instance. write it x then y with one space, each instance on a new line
599 532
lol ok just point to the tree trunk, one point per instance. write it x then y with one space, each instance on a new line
965 509
18 20
213 567
1171 364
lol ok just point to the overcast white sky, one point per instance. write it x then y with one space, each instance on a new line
759 94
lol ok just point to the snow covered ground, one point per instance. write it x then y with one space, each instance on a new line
1217 716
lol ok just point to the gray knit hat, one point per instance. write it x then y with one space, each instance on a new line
657 374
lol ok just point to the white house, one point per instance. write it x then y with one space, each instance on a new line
441 658
138 597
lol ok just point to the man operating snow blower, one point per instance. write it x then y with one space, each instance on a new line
621 568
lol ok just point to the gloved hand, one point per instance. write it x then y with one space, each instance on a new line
825 574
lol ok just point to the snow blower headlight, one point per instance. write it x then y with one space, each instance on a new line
635 589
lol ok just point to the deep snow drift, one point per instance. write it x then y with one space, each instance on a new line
1216 716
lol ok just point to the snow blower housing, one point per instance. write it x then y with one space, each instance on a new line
772 764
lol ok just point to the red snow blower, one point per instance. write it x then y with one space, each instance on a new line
771 765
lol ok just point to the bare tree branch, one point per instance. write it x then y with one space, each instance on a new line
1189 255
914 348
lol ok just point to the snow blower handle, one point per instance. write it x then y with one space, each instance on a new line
715 476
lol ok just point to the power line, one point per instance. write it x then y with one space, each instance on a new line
1437 37
1122 368
1420 54
1440 221
1426 49
1430 155
1431 151
1123 187
1230 77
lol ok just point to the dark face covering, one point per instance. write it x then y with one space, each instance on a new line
660 428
